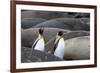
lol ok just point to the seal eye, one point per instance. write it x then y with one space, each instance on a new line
60 33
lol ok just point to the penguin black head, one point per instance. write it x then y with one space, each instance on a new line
60 33
41 31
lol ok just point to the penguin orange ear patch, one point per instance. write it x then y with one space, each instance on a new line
76 49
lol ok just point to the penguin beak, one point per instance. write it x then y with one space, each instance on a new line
38 32
42 28
64 34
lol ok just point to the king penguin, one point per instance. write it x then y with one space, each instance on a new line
59 45
39 43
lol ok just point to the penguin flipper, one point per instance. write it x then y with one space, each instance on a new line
55 46
34 44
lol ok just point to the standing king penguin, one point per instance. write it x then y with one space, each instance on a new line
39 43
59 45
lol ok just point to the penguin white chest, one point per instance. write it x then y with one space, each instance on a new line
40 45
59 52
